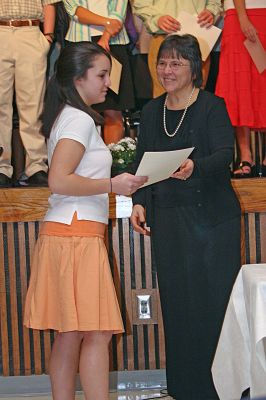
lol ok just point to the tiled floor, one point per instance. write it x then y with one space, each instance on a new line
140 395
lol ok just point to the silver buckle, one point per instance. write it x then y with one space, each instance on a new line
10 22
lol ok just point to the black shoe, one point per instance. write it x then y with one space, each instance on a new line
40 178
5 181
263 170
249 173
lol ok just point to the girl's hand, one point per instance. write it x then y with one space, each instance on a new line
138 219
168 24
185 171
205 18
113 26
104 41
247 28
127 184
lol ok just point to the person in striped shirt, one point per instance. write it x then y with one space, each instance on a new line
102 21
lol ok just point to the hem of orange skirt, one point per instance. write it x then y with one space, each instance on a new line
115 330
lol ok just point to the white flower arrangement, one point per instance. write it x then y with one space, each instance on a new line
123 153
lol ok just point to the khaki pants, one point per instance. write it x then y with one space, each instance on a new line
152 59
23 60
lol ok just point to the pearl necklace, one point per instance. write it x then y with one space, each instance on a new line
182 118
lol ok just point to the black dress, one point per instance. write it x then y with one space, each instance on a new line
197 258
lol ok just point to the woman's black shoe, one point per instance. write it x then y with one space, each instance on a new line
242 174
40 178
5 181
263 170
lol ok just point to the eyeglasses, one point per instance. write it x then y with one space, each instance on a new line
174 65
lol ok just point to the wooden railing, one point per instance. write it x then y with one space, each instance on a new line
25 352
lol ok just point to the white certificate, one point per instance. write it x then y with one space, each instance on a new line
257 53
207 37
160 165
115 75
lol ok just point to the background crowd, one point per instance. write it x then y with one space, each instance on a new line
132 31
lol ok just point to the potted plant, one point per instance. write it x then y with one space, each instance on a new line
123 153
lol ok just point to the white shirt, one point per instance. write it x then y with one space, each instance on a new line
95 164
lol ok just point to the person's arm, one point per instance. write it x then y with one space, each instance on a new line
49 22
138 215
220 142
246 26
104 40
63 180
210 14
215 7
206 18
150 14
142 146
77 130
140 197
86 17
117 9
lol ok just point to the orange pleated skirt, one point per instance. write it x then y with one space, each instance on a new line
71 286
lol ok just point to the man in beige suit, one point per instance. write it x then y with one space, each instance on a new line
161 18
23 59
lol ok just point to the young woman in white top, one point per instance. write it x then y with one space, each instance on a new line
71 288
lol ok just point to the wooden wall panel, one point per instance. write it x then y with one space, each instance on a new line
255 238
263 236
130 260
25 352
3 302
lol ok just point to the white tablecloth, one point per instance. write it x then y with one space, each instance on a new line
240 359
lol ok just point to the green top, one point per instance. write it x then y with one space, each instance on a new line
151 10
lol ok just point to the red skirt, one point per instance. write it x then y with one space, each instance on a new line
239 82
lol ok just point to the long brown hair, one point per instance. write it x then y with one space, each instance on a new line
72 64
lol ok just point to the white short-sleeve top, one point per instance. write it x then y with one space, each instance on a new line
95 164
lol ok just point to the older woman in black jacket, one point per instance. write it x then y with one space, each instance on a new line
194 216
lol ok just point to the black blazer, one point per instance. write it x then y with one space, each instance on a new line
212 135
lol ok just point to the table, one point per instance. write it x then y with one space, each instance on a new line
240 359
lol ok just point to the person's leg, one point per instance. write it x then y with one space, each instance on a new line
63 364
243 140
30 82
94 365
7 73
113 126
